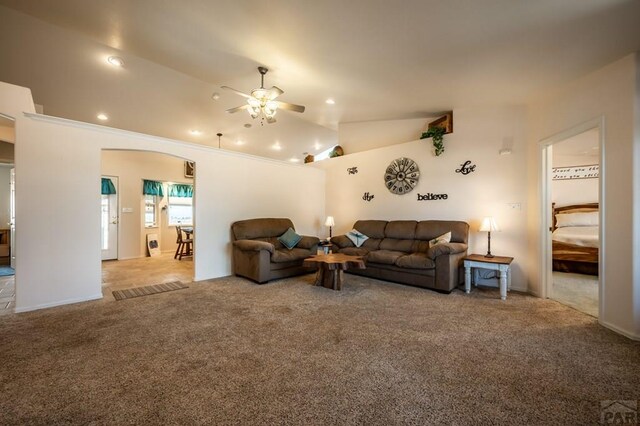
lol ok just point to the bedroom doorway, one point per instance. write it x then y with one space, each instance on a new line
573 235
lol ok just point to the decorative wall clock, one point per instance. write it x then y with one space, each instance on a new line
401 176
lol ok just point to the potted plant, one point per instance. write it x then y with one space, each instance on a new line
437 134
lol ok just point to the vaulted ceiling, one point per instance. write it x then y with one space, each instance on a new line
378 59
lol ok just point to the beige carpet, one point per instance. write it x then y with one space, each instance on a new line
577 291
231 352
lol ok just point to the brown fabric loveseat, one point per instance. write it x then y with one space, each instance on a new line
258 255
399 251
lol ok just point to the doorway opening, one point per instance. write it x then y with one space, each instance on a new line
147 220
7 215
572 218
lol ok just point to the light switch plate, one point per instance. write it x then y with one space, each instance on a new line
127 210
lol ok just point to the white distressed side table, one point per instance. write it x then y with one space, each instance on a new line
502 264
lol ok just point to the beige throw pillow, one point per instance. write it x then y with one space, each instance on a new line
444 238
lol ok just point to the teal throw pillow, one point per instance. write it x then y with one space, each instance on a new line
358 238
289 239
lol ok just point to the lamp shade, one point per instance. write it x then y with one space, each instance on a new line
329 221
489 224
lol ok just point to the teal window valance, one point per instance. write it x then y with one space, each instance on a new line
107 187
152 187
181 190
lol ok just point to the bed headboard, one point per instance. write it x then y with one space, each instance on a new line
573 208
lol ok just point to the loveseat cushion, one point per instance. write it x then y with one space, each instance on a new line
308 242
285 255
446 248
415 261
354 251
253 245
260 228
387 257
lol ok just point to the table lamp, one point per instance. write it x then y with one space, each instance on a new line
330 223
489 224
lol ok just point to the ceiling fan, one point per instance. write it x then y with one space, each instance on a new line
263 101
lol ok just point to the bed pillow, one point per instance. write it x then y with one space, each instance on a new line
444 238
358 238
289 239
577 219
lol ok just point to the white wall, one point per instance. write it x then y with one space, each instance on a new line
131 167
498 180
58 170
365 135
610 93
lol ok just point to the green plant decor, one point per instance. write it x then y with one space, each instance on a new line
437 134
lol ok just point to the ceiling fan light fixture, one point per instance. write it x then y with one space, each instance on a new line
259 93
272 105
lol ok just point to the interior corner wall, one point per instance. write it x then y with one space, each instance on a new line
498 182
131 167
58 170
608 93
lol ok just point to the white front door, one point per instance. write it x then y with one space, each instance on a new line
109 223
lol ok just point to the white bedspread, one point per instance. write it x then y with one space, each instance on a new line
585 236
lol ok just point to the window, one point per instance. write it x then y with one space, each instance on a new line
150 211
180 211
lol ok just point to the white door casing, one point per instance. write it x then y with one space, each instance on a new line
109 221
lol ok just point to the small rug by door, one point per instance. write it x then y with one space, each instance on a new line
147 290
6 271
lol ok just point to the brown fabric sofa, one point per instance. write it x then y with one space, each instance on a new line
399 251
258 255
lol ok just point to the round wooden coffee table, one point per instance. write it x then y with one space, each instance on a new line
331 267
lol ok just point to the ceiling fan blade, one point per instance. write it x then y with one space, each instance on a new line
236 109
274 92
271 120
290 107
237 92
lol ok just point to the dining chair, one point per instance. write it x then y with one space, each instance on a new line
185 245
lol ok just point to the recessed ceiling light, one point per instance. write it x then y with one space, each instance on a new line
294 160
116 61
215 96
102 117
317 146
247 125
239 142
330 101
195 132
276 146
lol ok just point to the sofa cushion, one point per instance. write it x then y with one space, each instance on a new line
371 228
397 245
260 228
401 229
290 238
387 257
286 255
415 261
430 229
354 251
253 245
372 244
342 241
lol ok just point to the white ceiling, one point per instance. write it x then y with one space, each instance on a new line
379 59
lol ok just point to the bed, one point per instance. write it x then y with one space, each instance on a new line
575 238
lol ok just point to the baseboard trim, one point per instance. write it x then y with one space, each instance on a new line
619 330
58 303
